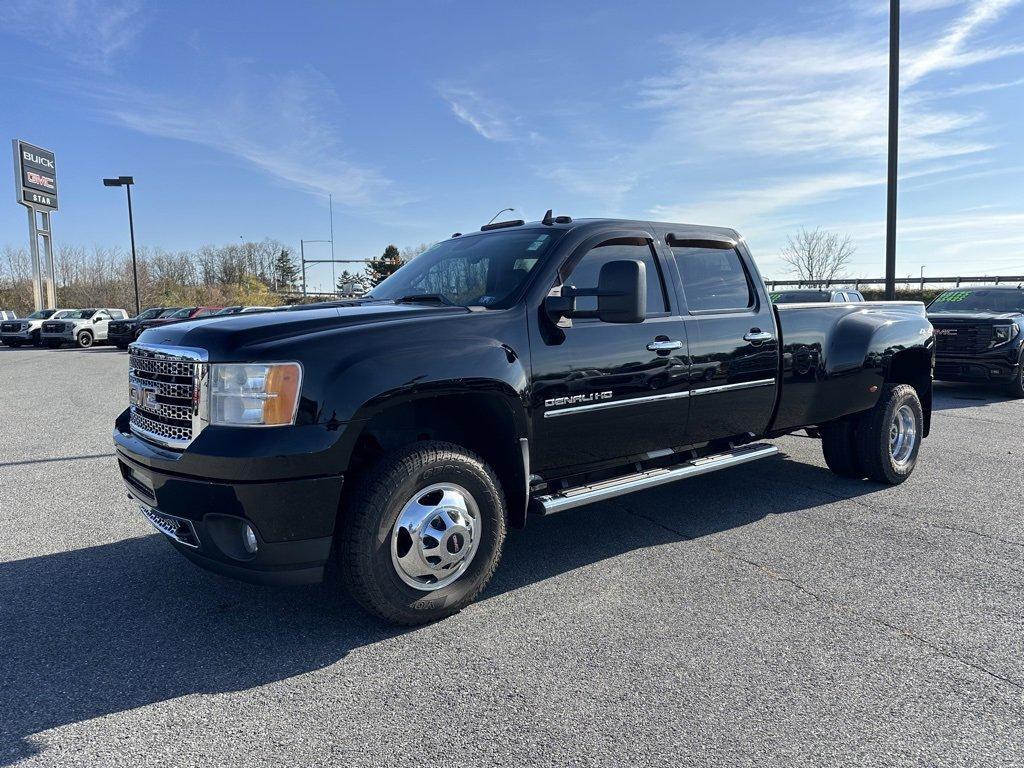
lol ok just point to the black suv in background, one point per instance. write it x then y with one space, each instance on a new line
124 332
979 335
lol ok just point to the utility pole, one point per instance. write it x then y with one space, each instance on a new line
894 107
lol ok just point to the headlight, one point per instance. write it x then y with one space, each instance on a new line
1002 334
249 395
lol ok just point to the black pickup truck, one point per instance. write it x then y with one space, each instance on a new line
979 335
525 368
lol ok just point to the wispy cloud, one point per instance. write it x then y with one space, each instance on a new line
951 52
815 103
487 117
275 123
92 33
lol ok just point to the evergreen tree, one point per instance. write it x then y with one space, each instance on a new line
385 266
347 280
285 272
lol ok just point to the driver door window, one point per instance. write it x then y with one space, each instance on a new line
586 272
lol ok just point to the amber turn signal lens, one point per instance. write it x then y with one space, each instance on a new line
282 386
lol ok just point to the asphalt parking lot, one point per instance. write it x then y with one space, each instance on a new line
772 614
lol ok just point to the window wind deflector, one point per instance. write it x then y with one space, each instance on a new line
424 298
681 241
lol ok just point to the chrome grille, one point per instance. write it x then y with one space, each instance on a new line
167 393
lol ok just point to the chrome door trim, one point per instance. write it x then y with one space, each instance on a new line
733 387
657 398
615 404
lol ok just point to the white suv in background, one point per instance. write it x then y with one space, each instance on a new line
82 327
27 330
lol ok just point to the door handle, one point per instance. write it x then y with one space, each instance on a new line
756 335
664 346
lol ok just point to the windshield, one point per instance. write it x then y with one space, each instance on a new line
800 297
148 314
979 300
479 270
180 313
42 314
80 314
170 312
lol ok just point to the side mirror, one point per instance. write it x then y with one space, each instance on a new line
622 292
96 319
621 295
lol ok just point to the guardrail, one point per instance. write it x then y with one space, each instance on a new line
919 281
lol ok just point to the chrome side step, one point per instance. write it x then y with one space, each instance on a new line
619 486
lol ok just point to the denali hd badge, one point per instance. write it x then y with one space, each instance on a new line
577 399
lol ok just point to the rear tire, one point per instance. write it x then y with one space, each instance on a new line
380 561
85 339
839 444
889 436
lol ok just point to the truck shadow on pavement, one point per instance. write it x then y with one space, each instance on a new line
110 628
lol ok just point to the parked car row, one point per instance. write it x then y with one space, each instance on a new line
83 328
57 327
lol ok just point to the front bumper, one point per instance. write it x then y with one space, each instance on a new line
17 336
293 519
125 337
67 337
999 368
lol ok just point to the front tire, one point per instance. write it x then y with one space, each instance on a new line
14 343
889 436
422 533
85 339
1016 387
53 343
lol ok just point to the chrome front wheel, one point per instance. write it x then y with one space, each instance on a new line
436 536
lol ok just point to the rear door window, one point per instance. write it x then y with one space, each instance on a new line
714 279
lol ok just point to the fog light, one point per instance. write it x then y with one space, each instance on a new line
249 539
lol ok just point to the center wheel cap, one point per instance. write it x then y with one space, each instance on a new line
435 537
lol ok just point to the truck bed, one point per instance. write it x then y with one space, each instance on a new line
833 354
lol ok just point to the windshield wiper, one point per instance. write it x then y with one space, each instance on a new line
423 298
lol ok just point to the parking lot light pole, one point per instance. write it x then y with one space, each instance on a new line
126 182
894 109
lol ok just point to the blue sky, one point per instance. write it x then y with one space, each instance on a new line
426 118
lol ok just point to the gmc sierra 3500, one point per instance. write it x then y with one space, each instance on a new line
525 368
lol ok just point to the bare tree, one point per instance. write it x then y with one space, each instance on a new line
817 256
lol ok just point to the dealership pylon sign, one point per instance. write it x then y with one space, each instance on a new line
35 182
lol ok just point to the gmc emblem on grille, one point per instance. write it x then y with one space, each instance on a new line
946 331
142 397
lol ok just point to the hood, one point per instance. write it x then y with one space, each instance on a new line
226 337
973 318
